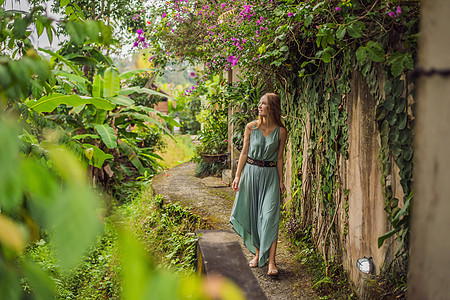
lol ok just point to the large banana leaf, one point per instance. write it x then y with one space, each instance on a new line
136 89
98 157
131 156
111 82
97 86
146 118
148 110
121 100
107 134
129 74
50 102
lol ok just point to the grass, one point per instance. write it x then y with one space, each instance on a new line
177 151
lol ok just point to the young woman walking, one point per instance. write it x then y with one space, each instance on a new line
259 182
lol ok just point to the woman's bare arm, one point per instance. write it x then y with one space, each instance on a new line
243 156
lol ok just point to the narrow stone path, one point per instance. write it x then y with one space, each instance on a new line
213 200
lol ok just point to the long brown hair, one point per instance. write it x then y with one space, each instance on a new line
274 107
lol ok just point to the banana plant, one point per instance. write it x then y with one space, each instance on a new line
97 114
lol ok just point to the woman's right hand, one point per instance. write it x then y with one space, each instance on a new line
235 184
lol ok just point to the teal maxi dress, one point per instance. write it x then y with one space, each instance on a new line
256 210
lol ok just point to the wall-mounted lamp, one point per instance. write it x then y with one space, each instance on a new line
365 265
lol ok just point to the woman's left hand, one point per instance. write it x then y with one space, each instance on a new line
282 188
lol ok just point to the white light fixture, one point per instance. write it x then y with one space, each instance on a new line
365 265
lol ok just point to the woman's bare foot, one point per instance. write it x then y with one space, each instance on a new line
272 270
254 262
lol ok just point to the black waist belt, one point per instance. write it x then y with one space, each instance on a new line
261 163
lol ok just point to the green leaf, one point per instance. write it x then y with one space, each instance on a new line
92 30
308 20
76 30
39 27
389 103
72 219
98 157
136 89
394 134
404 136
129 74
392 118
121 100
73 78
361 54
387 235
401 103
97 86
388 87
398 88
404 212
67 62
396 151
10 286
355 29
36 89
10 176
375 51
86 135
380 113
326 57
340 33
407 153
64 3
100 116
42 285
49 31
50 102
403 119
131 156
20 25
111 82
107 134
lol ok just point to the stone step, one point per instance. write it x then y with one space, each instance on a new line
219 252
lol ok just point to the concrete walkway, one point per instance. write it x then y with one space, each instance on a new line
213 200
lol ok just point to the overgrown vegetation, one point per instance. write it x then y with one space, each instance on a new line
329 281
166 231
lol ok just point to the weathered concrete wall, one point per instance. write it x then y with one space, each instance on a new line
367 219
430 242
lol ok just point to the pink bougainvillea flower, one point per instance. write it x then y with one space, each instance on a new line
151 58
135 17
391 14
139 31
338 8
164 15
398 10
223 5
136 44
192 74
141 38
290 14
